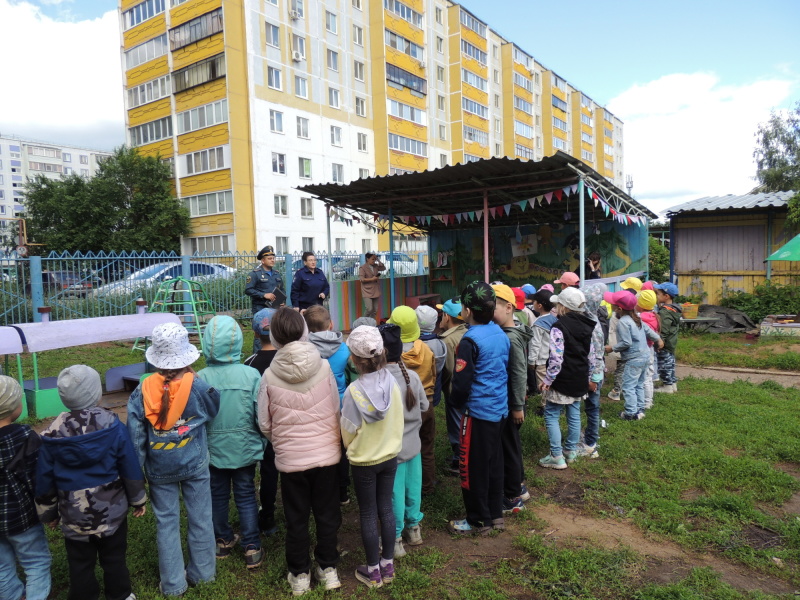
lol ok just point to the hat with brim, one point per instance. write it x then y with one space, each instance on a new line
625 300
646 299
571 298
266 251
568 278
170 347
452 307
519 297
667 287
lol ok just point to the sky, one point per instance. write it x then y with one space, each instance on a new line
691 79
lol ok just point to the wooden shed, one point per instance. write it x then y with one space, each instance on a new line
718 244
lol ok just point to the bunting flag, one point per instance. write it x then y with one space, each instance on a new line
492 211
472 215
479 214
574 188
558 194
567 191
458 216
549 197
523 204
507 208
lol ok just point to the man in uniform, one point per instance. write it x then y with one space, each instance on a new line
261 285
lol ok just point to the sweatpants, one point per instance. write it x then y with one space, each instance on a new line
618 374
407 494
304 492
481 466
111 551
512 459
427 435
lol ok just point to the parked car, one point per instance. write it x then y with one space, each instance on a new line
347 268
154 274
64 283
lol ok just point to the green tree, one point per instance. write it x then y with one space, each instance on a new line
127 206
777 156
659 261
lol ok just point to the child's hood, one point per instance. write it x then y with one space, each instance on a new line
650 318
222 341
520 332
372 395
296 362
327 342
82 438
673 307
414 354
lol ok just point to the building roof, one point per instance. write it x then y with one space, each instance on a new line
459 189
732 202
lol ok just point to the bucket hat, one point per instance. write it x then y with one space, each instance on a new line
170 347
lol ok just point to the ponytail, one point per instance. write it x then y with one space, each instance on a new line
633 315
411 399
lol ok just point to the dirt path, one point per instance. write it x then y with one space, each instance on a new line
729 375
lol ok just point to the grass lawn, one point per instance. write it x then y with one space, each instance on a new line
734 350
699 500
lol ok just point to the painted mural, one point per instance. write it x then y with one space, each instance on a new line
535 254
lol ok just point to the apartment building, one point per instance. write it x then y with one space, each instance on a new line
21 158
250 99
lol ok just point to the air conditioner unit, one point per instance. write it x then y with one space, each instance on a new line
422 64
297 56
294 15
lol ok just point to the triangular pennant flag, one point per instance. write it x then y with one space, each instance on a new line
479 214
492 211
574 188
549 197
507 208
539 199
472 215
566 191
458 216
523 204
404 220
558 194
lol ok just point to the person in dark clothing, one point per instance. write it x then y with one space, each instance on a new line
593 269
310 286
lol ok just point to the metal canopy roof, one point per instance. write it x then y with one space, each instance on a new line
460 188
732 202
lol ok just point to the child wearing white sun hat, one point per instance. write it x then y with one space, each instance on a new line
167 418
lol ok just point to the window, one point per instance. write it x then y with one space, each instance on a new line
476 135
299 8
358 35
66 157
468 158
274 78
404 78
198 28
439 45
67 171
473 52
523 105
440 102
308 244
198 73
337 173
363 173
333 97
497 100
523 152
307 208
559 143
141 12
275 121
357 4
405 46
587 120
149 92
405 12
340 244
302 127
145 52
585 137
496 76
586 101
281 245
366 244
47 152
523 129
153 131
559 83
523 81
203 116
304 165
299 45
608 116
84 159
406 112
559 103
440 73
46 167
443 160
362 142
495 51
474 80
336 135
205 160
608 165
559 124
470 22
442 132
608 149
404 144
439 12
211 243
279 163
333 60
608 133
330 21
473 107
521 57
210 204
273 35
586 155
358 70
300 86
281 205
361 107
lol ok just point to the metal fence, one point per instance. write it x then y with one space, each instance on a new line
95 285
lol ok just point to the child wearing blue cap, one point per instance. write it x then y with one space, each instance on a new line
669 315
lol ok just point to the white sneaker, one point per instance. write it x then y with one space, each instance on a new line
301 584
413 535
399 549
614 395
665 389
674 388
328 577
648 404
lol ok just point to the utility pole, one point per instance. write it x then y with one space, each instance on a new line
629 184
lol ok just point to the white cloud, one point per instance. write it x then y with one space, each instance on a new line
687 135
62 80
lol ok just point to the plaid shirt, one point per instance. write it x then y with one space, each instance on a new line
19 451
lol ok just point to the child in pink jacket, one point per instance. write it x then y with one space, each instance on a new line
298 411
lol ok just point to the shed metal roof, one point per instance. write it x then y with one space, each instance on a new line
732 202
460 188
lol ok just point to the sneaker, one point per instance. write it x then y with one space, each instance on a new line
462 527
399 549
648 404
387 572
524 494
640 416
674 387
553 462
370 579
344 497
499 524
328 577
667 388
253 557
267 525
587 451
131 597
301 584
512 506
614 395
413 535
224 548
628 417
570 456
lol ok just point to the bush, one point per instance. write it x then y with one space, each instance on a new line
659 261
767 299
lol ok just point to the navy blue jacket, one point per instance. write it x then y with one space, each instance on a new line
307 287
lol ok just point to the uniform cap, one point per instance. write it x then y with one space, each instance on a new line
266 251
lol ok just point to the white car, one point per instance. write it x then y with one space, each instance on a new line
154 274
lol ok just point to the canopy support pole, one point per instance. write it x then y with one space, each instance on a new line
391 258
769 244
329 267
486 236
582 232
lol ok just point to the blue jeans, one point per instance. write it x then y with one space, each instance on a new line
591 406
552 413
30 549
407 494
244 494
633 384
165 501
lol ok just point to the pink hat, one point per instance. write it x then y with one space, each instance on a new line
625 300
547 286
648 285
568 278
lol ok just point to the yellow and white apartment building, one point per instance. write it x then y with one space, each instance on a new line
249 99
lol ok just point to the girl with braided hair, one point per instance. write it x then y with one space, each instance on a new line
167 418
